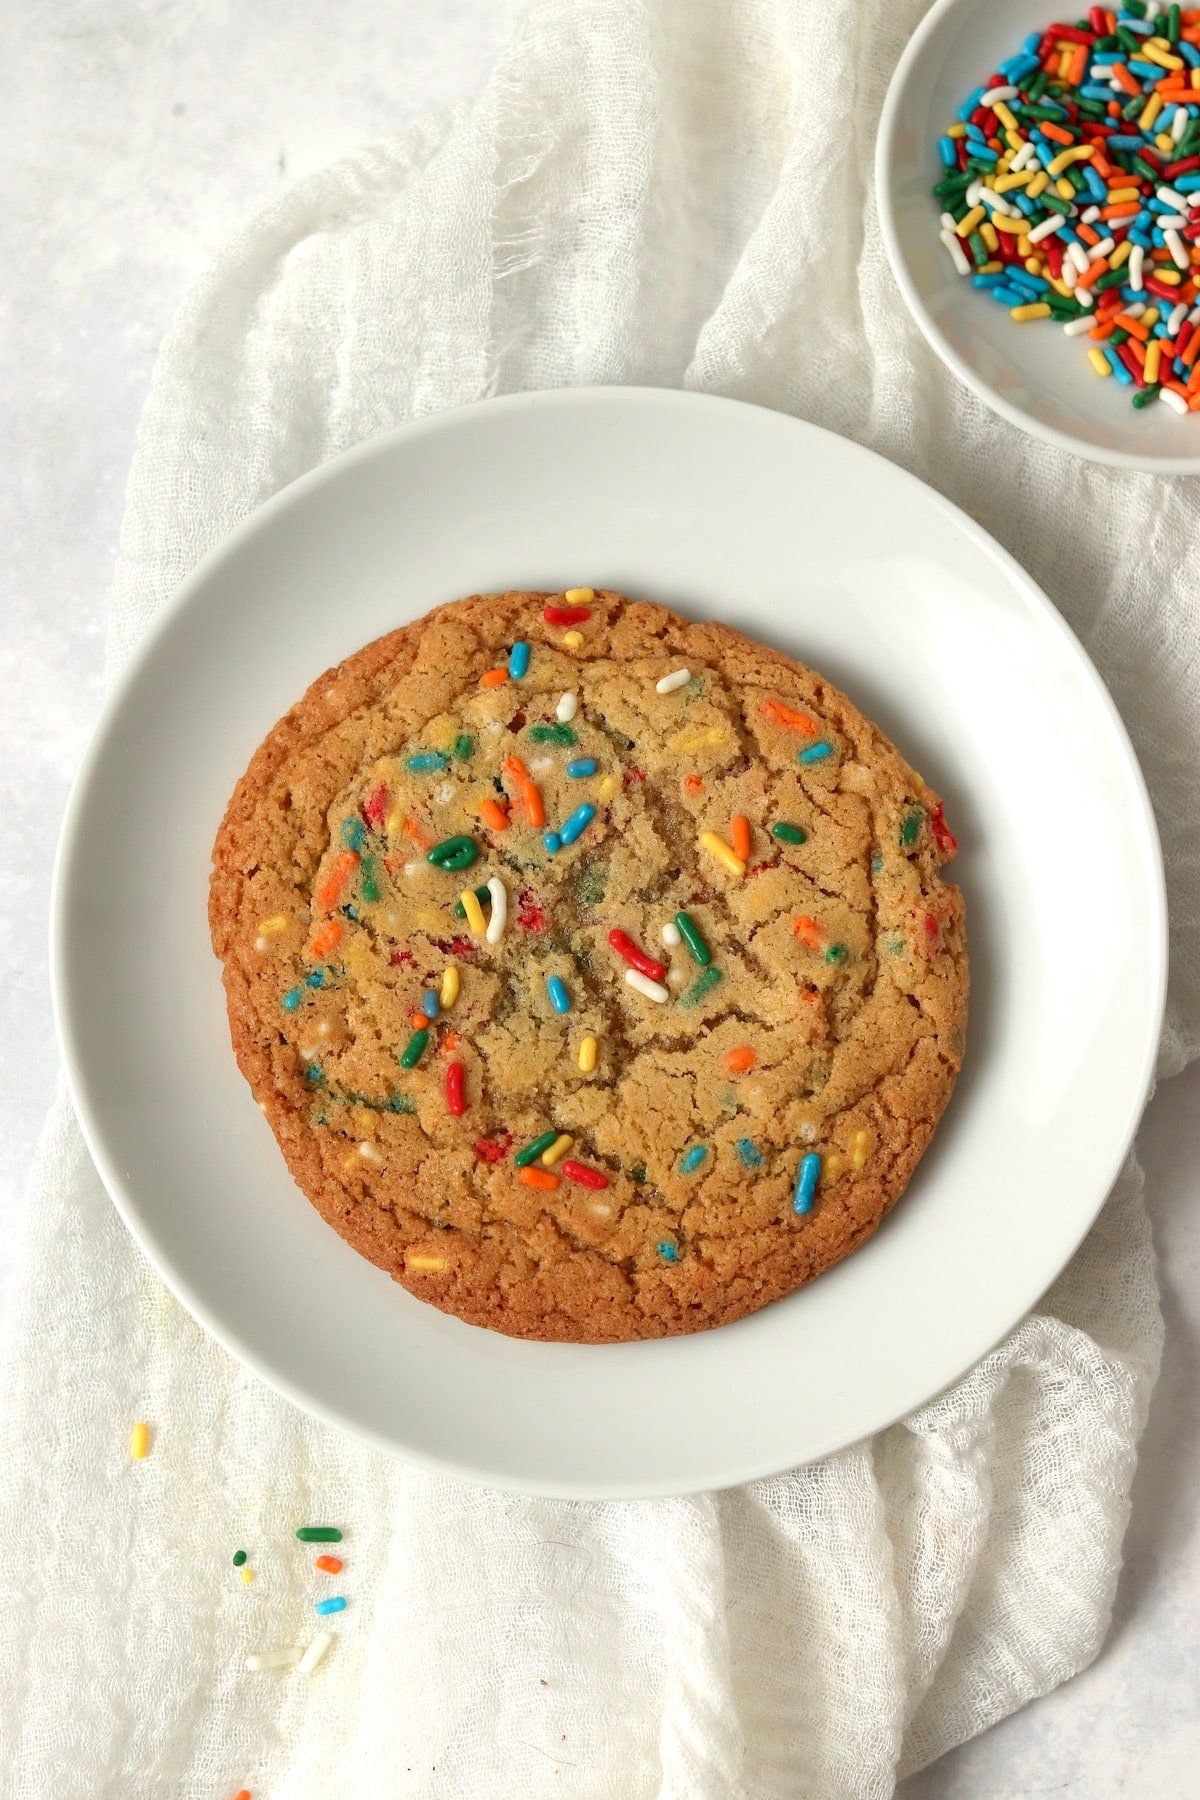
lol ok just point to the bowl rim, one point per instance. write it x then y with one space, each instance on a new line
887 166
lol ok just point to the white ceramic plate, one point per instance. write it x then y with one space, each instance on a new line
796 536
1032 374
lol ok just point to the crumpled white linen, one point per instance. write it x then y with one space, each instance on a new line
643 192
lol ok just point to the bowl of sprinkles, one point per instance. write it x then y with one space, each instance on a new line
1039 194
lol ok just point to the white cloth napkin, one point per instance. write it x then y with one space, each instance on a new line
642 193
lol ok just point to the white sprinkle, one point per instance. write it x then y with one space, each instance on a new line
1100 249
1178 315
972 194
315 1652
1175 401
1136 258
566 709
1046 229
1179 123
1170 198
998 203
499 915
1090 216
653 990
957 254
493 727
445 792
677 679
1070 275
1180 254
1135 310
1194 316
1077 327
1171 221
413 868
370 1154
602 1209
671 936
1078 255
261 943
949 222
1083 297
675 977
808 1132
540 764
1022 157
997 93
273 1659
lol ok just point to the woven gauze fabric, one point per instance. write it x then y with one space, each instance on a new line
643 192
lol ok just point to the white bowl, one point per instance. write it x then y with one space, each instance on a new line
1032 374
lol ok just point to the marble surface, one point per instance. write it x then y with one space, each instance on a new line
136 137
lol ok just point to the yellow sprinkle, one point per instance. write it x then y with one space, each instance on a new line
1153 358
394 820
572 639
988 234
698 740
1171 277
1148 114
474 911
1039 310
1005 117
1118 196
1060 287
1063 189
1165 141
428 921
718 848
1064 159
1014 140
1121 254
350 1163
608 787
139 1441
860 1149
1099 362
1150 317
449 991
579 596
1012 227
425 1265
247 1574
1038 185
557 1150
587 1055
1152 52
991 268
831 1168
969 221
956 131
271 927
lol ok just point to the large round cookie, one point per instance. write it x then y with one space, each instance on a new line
742 1109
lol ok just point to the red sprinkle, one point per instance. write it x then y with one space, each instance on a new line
632 774
489 1151
375 808
566 615
530 916
398 958
625 946
589 1178
932 930
456 1099
943 837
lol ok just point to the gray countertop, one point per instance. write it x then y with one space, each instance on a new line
138 136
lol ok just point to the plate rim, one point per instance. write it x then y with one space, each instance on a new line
65 877
888 166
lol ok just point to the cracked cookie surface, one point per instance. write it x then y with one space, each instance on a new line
821 1038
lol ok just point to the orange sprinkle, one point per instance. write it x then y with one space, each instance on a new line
330 890
413 831
450 1042
1079 62
1194 379
808 931
328 938
1056 132
1087 234
1125 210
743 1057
739 836
1123 78
539 1178
1192 351
494 815
692 784
527 789
1134 327
779 714
242 1794
1100 266
418 1021
332 1565
493 678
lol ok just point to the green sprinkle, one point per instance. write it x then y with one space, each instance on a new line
700 989
415 1049
532 1151
789 834
910 830
239 1557
552 734
593 880
318 1534
482 894
896 946
637 1172
1145 395
453 853
691 937
836 953
694 687
464 747
369 890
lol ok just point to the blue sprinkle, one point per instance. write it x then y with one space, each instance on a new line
292 999
669 1252
552 842
749 1155
577 824
314 1072
583 765
518 662
691 1159
336 1604
316 979
353 832
816 752
560 1000
425 760
806 1183
431 1006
